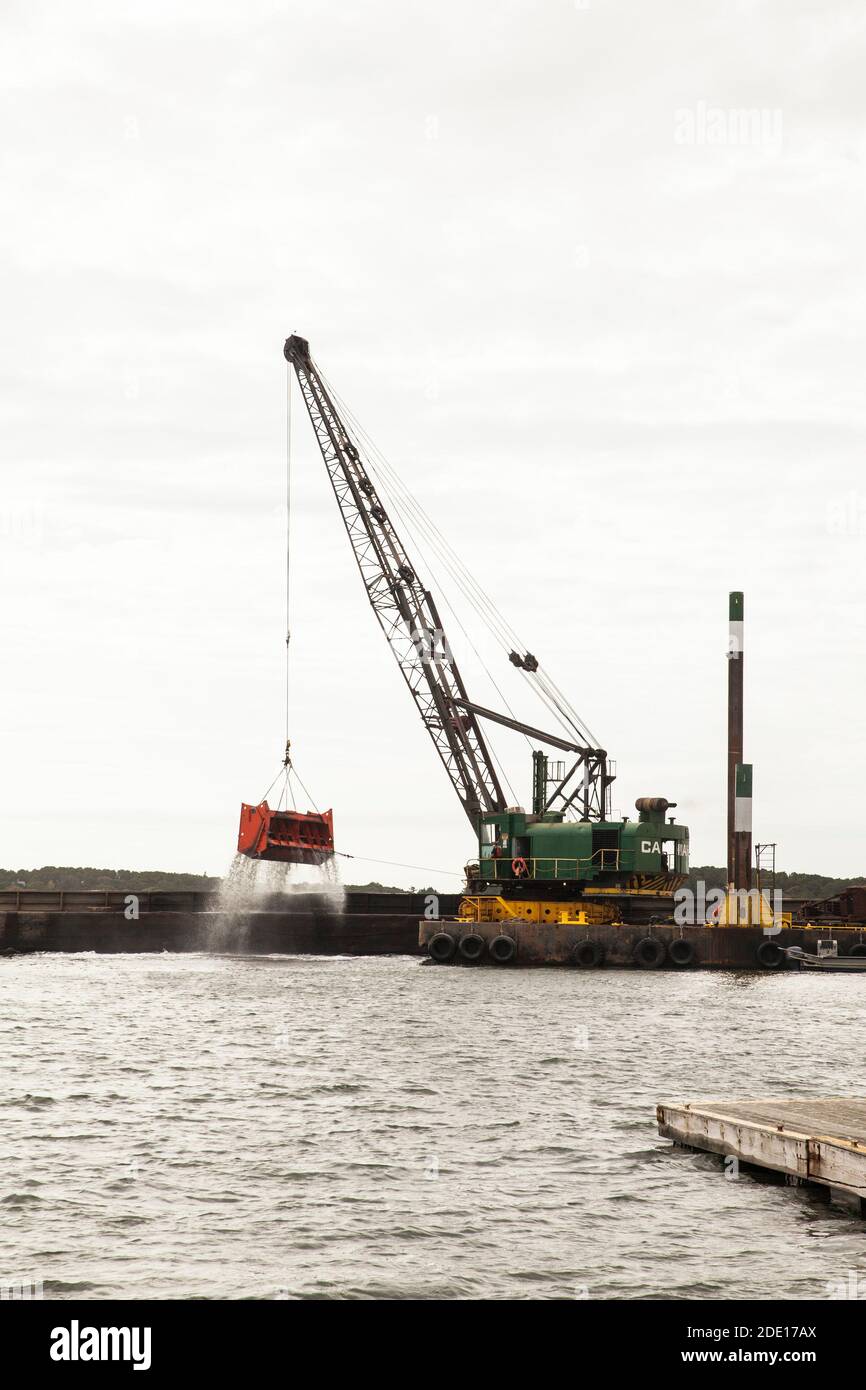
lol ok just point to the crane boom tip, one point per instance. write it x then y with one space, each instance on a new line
296 349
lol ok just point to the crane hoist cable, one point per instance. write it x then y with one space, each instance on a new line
398 495
538 680
456 616
399 501
396 864
423 528
365 490
274 833
486 609
424 525
286 792
288 771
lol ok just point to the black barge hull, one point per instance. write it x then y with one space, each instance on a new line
369 924
634 947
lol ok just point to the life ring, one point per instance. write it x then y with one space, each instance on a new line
471 946
503 949
770 956
681 951
441 947
519 867
587 954
649 953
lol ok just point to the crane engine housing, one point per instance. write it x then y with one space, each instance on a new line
521 853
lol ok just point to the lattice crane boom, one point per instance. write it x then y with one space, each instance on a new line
408 615
405 609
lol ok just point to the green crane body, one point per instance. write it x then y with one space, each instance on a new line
521 852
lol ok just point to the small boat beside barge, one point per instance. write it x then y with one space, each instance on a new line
826 959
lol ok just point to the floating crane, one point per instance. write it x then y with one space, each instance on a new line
566 849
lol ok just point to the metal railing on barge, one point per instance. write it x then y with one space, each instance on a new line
553 868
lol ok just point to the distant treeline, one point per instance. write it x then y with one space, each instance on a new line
140 880
58 877
792 885
54 876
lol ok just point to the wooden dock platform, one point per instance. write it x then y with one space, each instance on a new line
821 1141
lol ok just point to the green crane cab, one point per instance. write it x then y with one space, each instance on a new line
519 851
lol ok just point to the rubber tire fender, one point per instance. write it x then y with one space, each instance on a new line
681 952
441 947
471 946
587 954
858 949
770 956
649 953
503 949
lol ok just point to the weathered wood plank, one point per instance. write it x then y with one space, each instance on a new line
820 1140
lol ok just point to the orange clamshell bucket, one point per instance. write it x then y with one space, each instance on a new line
292 837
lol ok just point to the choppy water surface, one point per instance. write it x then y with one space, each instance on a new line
227 1127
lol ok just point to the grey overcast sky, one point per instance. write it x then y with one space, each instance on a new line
590 275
